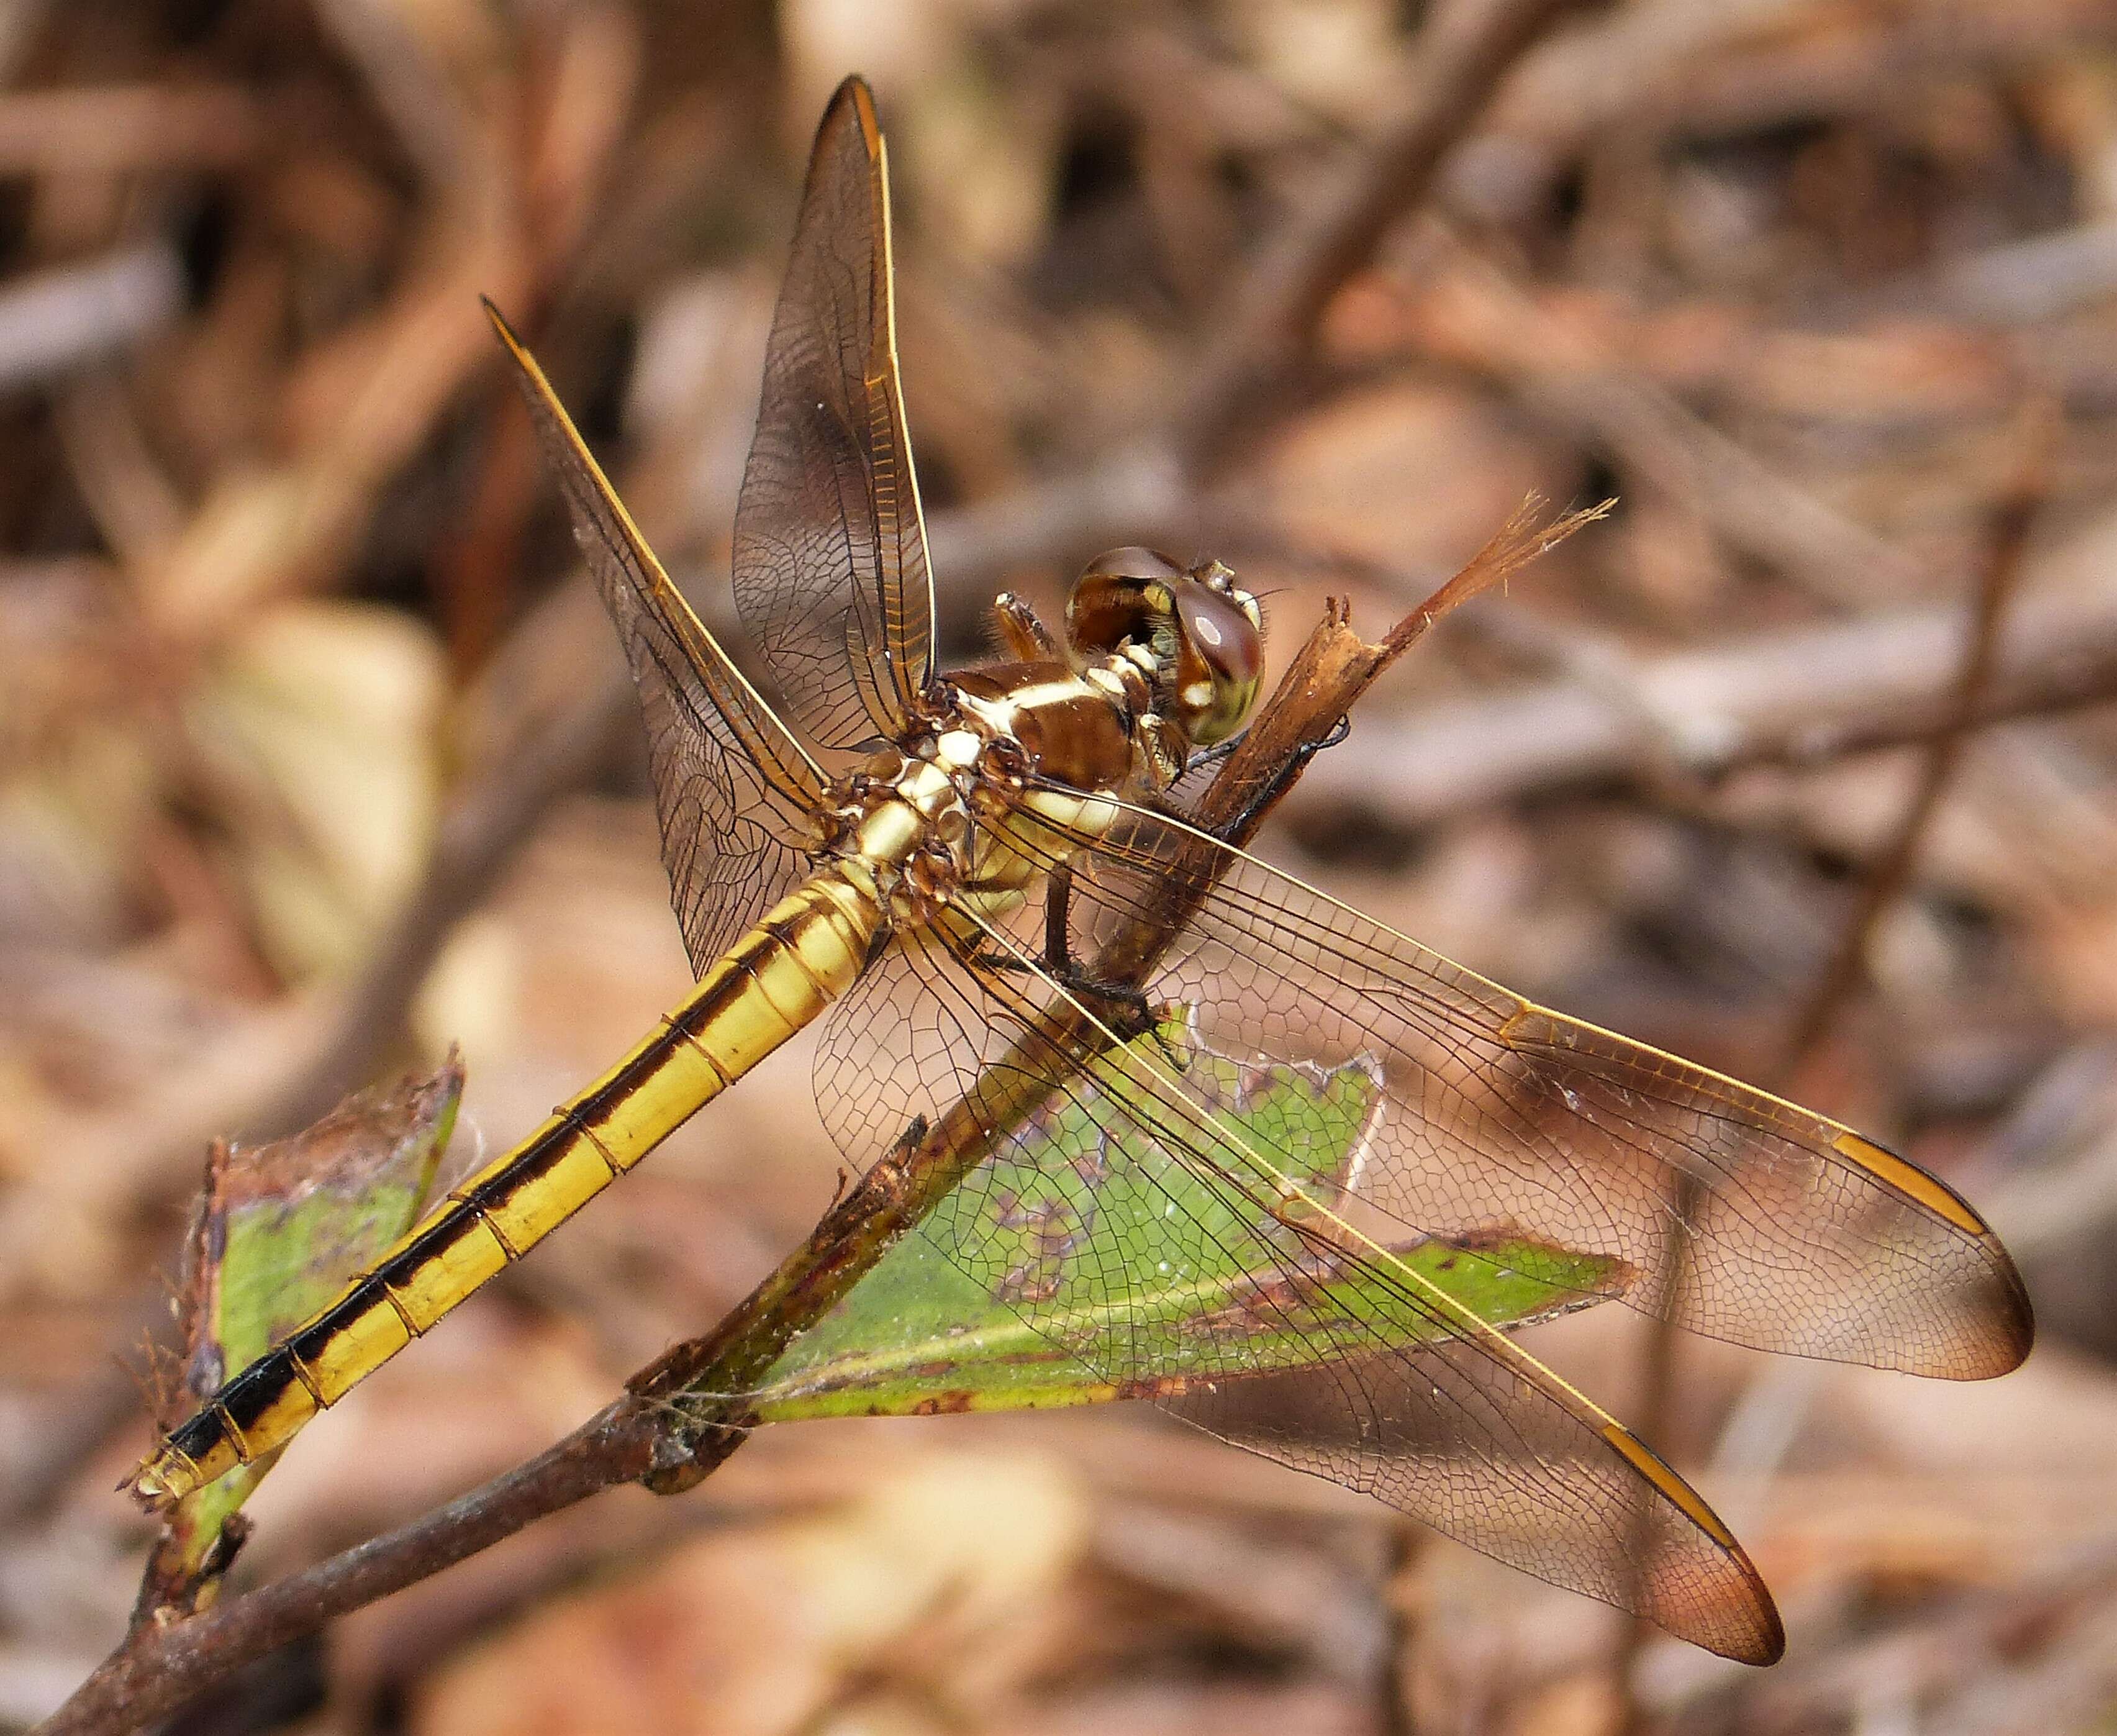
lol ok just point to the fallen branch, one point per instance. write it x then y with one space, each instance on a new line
58 321
1566 376
1798 697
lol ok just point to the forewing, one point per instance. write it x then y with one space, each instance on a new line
830 550
1744 1216
731 786
1405 1400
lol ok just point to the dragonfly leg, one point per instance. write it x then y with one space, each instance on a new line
1123 1006
1060 964
1022 633
1244 819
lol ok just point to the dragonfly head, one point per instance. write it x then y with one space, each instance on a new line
1202 633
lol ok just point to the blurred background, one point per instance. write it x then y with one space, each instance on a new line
314 758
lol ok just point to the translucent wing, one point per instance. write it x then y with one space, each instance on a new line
1746 1217
730 785
1406 1400
830 550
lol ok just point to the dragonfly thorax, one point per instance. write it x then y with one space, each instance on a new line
951 814
900 822
905 821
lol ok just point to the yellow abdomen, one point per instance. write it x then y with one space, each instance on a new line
804 952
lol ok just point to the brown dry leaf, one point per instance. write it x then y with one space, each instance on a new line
937 1581
72 826
320 722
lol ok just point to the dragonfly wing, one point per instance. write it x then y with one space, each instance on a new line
1742 1216
732 786
830 548
1403 1398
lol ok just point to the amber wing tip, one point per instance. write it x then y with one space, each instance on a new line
1739 1621
1760 1638
853 92
1995 1321
853 88
1752 1630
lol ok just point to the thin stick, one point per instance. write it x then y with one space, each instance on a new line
1890 870
1569 378
61 319
1802 696
1455 65
160 1669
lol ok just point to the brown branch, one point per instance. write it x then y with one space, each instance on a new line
1890 870
1737 68
677 1421
1455 65
1567 378
1449 74
124 129
160 1669
1797 697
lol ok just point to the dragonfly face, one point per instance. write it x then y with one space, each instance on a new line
990 916
1198 634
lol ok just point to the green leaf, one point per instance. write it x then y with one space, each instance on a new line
282 1228
278 1232
918 1335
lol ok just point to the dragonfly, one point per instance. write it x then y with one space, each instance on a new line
933 865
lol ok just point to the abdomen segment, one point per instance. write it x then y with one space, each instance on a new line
804 952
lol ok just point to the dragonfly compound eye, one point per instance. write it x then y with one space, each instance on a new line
1127 594
1202 630
1221 659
